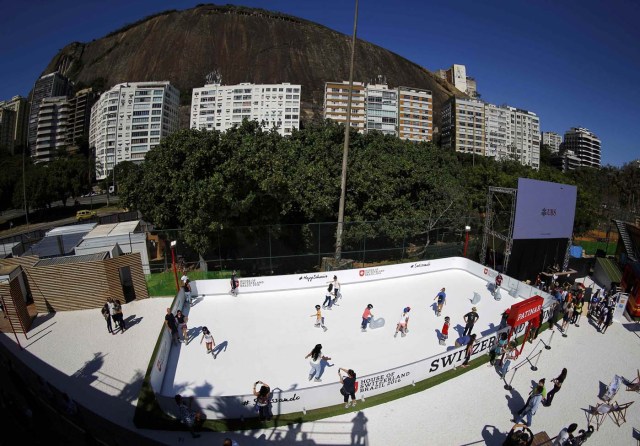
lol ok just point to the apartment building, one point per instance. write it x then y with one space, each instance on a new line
221 107
523 131
51 134
463 126
48 86
129 120
415 114
336 98
80 116
552 140
565 161
14 117
381 109
496 137
457 76
584 144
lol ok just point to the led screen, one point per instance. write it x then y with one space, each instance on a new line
544 210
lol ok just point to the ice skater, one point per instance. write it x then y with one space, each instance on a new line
208 338
336 287
444 333
442 300
235 284
496 285
316 362
470 318
319 318
403 324
367 315
328 297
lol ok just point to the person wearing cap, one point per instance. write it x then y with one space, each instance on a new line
403 324
470 318
367 315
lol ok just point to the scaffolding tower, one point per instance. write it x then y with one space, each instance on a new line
492 226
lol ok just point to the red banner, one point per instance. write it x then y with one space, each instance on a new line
525 311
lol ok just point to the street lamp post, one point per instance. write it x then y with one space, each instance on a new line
173 263
466 239
345 152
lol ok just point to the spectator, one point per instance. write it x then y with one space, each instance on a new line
107 317
263 400
230 442
348 388
565 437
117 308
608 320
519 435
181 319
187 416
468 351
510 354
172 325
497 349
187 291
557 384
532 406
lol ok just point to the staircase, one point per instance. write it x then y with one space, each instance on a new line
626 240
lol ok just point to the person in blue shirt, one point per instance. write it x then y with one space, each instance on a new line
442 299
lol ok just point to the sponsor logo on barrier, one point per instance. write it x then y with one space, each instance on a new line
420 265
382 380
548 212
371 272
451 358
250 283
310 278
486 271
294 397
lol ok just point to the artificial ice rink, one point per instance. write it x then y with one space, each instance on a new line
266 336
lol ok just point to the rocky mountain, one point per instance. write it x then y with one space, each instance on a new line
243 45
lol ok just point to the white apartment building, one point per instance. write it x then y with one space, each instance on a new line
457 76
336 98
415 114
129 120
496 138
51 129
523 131
553 140
584 144
220 107
463 124
382 109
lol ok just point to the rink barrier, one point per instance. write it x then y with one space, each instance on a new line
303 399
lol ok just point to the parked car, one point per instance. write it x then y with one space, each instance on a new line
85 214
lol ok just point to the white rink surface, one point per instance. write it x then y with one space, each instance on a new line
74 352
267 335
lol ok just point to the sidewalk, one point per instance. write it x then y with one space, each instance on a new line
103 372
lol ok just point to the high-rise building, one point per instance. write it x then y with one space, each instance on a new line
51 85
415 114
523 132
552 140
80 116
336 98
584 144
495 127
382 109
51 134
463 124
13 124
129 120
457 76
220 107
565 160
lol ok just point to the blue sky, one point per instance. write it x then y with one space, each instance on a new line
574 63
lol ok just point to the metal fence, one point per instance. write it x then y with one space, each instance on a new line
289 249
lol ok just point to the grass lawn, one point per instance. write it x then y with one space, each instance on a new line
590 248
164 284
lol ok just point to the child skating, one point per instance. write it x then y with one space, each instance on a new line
319 318
403 324
367 315
445 330
208 338
328 297
442 299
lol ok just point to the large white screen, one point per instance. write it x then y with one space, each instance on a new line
544 210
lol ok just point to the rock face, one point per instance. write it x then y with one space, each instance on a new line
243 45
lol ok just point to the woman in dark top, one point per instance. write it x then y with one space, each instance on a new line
263 400
557 384
348 387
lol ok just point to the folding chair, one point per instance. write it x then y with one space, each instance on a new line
599 413
634 386
619 413
612 390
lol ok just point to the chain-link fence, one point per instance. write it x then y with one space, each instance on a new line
289 249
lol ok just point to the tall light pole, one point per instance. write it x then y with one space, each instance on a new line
345 151
466 239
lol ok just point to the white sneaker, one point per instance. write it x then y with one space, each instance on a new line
353 403
346 406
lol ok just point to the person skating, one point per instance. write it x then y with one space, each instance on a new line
367 315
328 297
403 324
235 283
316 362
445 330
208 338
319 318
496 285
470 318
441 297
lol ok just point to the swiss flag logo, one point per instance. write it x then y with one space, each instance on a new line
361 273
486 271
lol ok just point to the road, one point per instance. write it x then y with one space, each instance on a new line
90 201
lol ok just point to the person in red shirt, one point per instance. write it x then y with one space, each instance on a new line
366 317
445 330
